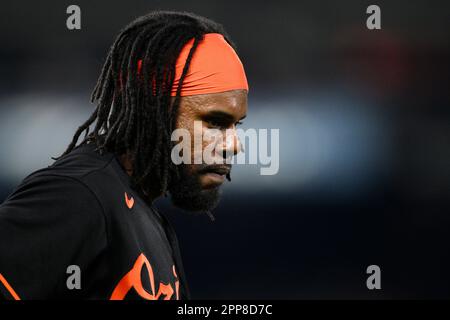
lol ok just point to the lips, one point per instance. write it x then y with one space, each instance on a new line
220 170
214 176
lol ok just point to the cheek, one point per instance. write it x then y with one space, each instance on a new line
199 141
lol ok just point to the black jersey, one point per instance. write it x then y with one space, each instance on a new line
78 230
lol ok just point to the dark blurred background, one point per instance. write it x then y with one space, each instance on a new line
364 123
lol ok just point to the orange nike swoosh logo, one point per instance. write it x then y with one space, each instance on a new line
129 201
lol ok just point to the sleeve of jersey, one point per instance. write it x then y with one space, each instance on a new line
51 228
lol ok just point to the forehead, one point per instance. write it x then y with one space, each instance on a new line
233 102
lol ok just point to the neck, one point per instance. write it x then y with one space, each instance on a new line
127 165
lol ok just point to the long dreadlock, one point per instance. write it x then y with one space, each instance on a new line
134 112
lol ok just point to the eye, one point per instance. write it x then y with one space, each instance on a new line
221 125
215 124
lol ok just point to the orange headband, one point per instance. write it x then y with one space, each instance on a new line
215 67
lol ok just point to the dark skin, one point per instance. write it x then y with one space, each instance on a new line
223 111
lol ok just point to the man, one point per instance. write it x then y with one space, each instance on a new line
85 227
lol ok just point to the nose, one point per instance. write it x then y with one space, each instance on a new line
231 145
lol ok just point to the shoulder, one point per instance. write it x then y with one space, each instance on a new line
82 184
75 177
51 198
48 223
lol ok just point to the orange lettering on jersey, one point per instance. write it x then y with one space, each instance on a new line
133 280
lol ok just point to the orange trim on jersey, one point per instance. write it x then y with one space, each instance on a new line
9 288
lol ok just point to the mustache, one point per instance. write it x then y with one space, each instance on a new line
222 169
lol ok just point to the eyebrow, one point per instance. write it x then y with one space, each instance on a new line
222 115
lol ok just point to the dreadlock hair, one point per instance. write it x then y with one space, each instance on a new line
134 111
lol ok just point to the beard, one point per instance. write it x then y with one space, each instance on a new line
187 193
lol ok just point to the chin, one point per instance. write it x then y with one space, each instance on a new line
198 201
196 192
